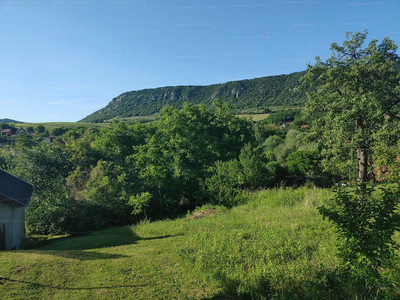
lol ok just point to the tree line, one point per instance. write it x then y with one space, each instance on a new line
95 178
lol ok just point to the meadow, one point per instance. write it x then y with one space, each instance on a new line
254 117
71 125
275 246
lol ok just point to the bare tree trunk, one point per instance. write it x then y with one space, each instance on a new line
362 157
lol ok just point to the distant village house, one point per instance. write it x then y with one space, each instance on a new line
6 132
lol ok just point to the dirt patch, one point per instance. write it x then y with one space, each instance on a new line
204 213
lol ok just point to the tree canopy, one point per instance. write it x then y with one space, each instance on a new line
355 96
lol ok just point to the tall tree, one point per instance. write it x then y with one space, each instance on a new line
355 96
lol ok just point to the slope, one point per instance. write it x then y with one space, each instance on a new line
243 95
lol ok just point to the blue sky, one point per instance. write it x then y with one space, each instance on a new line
62 60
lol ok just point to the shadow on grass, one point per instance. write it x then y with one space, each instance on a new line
101 239
81 255
4 280
80 247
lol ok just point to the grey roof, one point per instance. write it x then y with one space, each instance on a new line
14 191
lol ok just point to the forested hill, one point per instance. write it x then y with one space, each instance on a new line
6 120
242 95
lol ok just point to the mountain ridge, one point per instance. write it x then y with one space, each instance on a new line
7 120
243 95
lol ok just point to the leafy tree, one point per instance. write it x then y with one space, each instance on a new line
356 94
254 168
173 163
24 140
272 142
225 182
105 190
8 158
8 126
139 202
303 161
40 128
355 103
116 143
295 140
46 167
282 116
304 165
58 131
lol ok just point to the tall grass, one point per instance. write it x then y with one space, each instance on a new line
276 246
273 247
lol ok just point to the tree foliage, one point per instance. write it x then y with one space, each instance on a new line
95 178
355 101
367 220
356 92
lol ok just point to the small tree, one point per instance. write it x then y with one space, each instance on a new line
139 203
367 220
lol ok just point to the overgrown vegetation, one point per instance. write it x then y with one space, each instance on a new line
91 179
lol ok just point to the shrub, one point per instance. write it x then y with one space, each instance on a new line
225 182
367 220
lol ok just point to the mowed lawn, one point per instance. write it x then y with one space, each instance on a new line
274 247
112 264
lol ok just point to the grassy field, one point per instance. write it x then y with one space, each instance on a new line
140 119
274 247
51 125
255 117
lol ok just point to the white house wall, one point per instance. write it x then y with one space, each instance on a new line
12 219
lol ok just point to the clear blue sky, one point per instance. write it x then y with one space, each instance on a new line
61 60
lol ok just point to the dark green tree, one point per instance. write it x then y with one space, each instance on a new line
46 168
356 93
174 162
355 103
40 128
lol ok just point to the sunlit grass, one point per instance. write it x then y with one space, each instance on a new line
254 117
71 125
274 247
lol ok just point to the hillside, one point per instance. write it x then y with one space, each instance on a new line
2 121
244 96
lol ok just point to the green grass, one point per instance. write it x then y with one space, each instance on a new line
72 125
140 119
255 117
274 247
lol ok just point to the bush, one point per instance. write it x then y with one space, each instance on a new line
225 182
367 220
282 116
